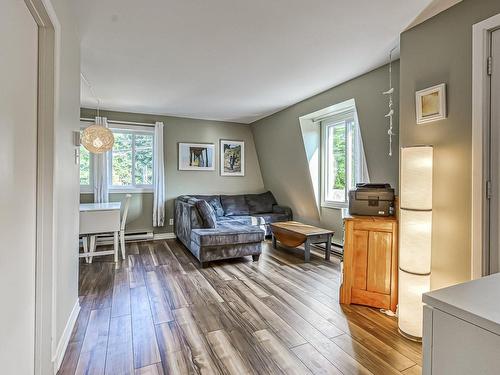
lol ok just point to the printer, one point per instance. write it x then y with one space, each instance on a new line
371 200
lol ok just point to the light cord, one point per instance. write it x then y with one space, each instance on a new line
92 92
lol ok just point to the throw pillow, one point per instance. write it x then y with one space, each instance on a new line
234 205
207 214
215 203
261 203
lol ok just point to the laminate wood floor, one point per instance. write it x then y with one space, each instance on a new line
157 312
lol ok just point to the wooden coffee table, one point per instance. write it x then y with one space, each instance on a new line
294 234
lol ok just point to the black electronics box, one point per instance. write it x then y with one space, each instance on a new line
371 200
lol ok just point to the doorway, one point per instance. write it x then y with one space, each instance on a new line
492 202
485 179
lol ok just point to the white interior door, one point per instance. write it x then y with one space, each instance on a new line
494 256
18 166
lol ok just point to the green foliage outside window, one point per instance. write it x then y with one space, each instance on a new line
84 166
339 153
132 154
144 159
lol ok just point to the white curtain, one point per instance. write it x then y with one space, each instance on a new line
158 178
101 193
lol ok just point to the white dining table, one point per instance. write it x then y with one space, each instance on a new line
98 218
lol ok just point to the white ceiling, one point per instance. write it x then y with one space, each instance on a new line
232 60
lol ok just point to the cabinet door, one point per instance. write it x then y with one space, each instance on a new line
462 348
378 278
360 258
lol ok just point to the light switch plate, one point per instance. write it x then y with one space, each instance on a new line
171 222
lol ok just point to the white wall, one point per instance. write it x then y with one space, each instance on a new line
66 171
18 121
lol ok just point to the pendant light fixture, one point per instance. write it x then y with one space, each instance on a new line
97 138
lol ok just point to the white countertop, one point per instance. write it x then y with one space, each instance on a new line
100 206
476 301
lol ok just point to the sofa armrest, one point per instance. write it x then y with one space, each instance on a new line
186 218
283 210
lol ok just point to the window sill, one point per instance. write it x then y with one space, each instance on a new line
130 190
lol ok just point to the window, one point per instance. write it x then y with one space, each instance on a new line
85 170
130 162
343 160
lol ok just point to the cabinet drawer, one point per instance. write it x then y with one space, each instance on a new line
376 226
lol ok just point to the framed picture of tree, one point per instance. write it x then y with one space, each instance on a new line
232 158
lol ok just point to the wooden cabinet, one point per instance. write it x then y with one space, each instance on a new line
370 262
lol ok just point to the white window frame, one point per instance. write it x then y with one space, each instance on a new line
135 130
326 122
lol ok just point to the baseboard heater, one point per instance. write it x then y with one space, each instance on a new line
337 248
107 239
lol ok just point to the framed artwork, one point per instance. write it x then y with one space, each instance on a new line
431 104
196 157
232 158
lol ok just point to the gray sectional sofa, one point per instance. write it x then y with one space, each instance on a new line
229 226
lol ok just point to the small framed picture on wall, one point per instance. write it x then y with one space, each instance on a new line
232 158
431 104
196 157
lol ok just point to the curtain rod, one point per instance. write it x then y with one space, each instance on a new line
119 122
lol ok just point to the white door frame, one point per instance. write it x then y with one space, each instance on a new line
45 296
480 121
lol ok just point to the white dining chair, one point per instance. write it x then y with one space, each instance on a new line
84 242
122 226
93 238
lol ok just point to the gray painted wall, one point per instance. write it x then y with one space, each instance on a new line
188 182
282 156
437 51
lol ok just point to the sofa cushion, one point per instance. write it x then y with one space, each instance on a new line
215 203
207 214
234 205
271 217
244 220
260 203
227 234
205 197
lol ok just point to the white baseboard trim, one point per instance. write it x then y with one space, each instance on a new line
66 335
164 236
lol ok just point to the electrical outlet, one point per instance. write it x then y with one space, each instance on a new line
171 222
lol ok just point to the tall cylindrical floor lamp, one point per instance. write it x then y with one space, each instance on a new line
415 237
